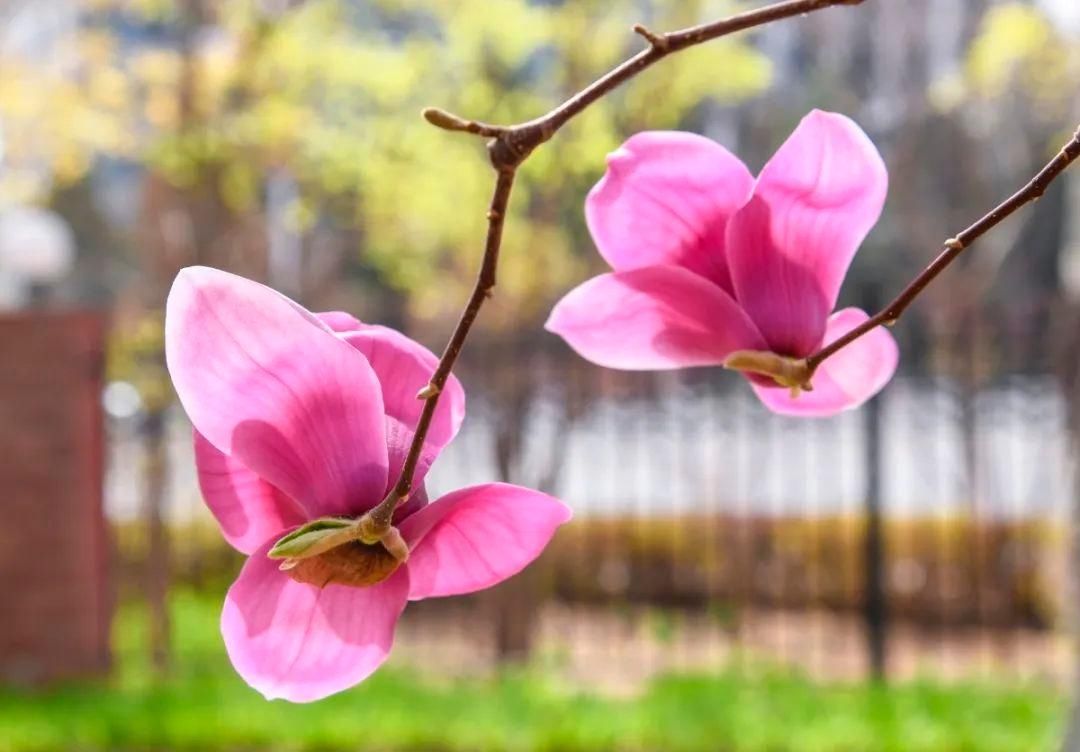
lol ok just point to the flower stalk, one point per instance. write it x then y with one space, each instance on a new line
954 246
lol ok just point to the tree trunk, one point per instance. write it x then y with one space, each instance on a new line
875 606
515 603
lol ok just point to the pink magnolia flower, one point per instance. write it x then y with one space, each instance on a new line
299 417
708 261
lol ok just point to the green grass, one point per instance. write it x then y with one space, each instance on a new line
205 707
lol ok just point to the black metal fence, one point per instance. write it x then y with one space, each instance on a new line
923 533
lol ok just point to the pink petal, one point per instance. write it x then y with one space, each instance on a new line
298 642
404 368
847 379
249 510
790 246
339 321
269 386
666 199
472 538
653 318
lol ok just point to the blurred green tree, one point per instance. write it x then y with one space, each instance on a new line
223 97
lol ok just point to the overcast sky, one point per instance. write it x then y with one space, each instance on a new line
1065 12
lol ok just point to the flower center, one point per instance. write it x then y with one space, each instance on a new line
353 563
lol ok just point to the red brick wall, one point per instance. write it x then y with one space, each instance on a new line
54 597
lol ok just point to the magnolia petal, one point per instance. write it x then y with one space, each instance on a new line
666 199
476 537
269 386
653 318
301 643
339 321
790 246
404 367
249 510
845 380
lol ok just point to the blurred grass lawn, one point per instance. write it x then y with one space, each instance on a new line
204 706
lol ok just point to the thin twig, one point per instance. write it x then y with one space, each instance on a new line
508 148
953 247
382 515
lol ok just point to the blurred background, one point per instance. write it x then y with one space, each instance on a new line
893 578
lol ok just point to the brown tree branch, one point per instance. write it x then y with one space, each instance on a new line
508 148
953 247
382 515
517 141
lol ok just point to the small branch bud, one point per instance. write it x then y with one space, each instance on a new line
953 244
443 119
428 391
440 118
657 41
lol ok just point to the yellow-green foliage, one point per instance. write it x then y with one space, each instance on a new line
198 556
1018 53
1017 43
948 570
938 571
136 355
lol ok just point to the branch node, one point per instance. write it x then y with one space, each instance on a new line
493 215
658 42
954 244
428 391
509 149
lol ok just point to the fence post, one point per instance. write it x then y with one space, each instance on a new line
875 603
156 574
1069 375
